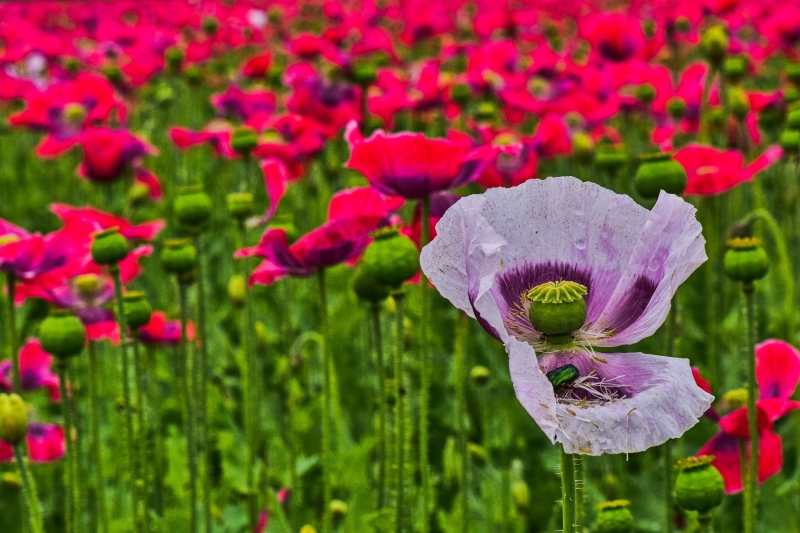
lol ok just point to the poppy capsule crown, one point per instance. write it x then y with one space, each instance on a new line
109 247
660 172
614 517
62 334
699 486
137 309
746 260
557 308
193 206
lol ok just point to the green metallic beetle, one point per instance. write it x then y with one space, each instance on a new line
562 376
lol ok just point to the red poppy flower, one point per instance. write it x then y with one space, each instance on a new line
331 104
257 66
162 331
218 139
614 36
45 444
712 171
142 232
253 108
34 370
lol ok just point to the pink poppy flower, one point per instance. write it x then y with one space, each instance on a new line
257 66
219 139
777 374
713 171
276 181
614 36
254 108
45 444
142 232
34 368
331 104
162 331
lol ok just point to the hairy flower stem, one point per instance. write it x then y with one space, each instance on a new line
29 490
568 492
669 504
400 416
580 485
202 384
141 434
424 370
12 333
71 470
375 316
96 445
752 415
327 489
126 393
460 376
705 523
191 409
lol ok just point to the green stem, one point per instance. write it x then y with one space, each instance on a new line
191 413
70 477
400 417
460 371
141 435
203 384
375 315
752 413
580 481
12 333
126 390
29 491
745 473
669 504
327 493
568 492
424 398
96 445
705 523
248 379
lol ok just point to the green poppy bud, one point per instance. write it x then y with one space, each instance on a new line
714 43
308 529
62 334
210 25
745 260
237 290
522 495
174 57
364 74
699 486
582 147
193 206
178 256
138 194
11 481
557 308
771 117
338 509
790 141
486 111
391 258
113 74
193 75
676 107
614 517
137 309
461 94
109 247
793 73
13 418
793 119
645 93
479 375
610 158
717 117
368 288
164 95
244 140
735 68
660 172
240 205
738 102
683 24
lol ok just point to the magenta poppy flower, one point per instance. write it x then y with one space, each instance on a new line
253 108
713 171
34 370
614 36
332 104
352 215
162 331
257 66
45 444
142 232
295 141
218 139
414 166
777 374
276 181
492 249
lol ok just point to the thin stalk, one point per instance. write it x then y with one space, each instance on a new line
424 370
126 390
460 376
29 491
568 491
745 473
70 476
375 316
400 417
327 492
669 504
191 412
12 333
705 523
752 414
580 485
203 384
96 445
141 436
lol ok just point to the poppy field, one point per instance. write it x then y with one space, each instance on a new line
440 266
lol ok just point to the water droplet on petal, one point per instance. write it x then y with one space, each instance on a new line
580 244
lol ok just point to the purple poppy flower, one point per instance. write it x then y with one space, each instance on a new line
493 249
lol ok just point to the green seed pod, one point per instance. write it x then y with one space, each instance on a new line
164 95
113 74
676 107
699 486
583 147
557 307
461 94
237 290
179 256
738 102
88 285
71 64
137 309
338 509
771 117
138 194
479 375
733 400
244 140
790 141
477 453
745 260
11 481
717 117
240 205
645 93
193 75
563 376
793 73
391 258
62 334
210 25
308 529
522 495
793 119
714 44
109 247
610 158
368 288
13 418
364 74
486 112
735 68
74 114
174 57
660 172
193 206
614 517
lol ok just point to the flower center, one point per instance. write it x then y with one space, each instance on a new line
88 285
557 308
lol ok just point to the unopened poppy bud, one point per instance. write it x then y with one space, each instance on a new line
461 94
364 74
109 247
240 205
557 308
610 158
645 93
338 508
735 68
699 485
477 453
193 75
237 289
660 172
174 57
368 288
790 141
614 517
88 285
210 25
260 332
13 418
178 256
793 73
738 102
308 529
391 258
714 43
582 147
717 117
676 107
745 260
244 140
62 334
164 95
479 375
522 495
193 206
137 309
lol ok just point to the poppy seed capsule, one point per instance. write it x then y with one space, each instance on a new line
193 206
391 258
793 120
793 73
368 288
610 158
790 141
137 309
676 107
13 418
614 517
738 102
746 260
240 205
237 290
660 172
193 75
62 334
109 247
479 375
714 43
338 508
583 147
364 74
557 307
699 485
735 68
243 140
174 57
461 94
308 529
645 93
522 495
178 256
